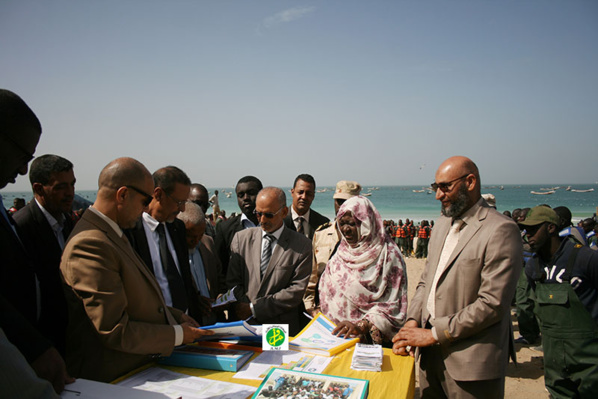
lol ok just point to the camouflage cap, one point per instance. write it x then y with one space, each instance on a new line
346 189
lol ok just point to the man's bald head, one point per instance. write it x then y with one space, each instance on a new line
123 172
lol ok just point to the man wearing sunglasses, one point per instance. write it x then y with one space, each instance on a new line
563 275
270 265
120 320
459 318
159 238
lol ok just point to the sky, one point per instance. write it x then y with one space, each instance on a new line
375 91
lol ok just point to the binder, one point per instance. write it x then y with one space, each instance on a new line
208 358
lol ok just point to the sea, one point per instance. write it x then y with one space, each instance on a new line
416 202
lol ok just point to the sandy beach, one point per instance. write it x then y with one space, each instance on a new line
524 380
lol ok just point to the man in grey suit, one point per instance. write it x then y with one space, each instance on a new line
270 265
459 317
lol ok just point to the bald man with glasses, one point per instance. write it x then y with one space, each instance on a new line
270 265
459 318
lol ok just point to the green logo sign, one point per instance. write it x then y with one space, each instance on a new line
275 336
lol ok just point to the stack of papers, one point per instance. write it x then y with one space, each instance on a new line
367 357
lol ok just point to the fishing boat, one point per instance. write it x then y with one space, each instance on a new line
589 190
542 193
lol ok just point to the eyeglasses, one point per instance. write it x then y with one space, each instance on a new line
268 215
444 187
148 198
179 204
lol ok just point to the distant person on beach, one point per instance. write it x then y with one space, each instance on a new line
199 195
364 286
588 226
459 319
119 319
564 278
302 218
31 366
46 224
215 206
18 203
325 242
246 192
423 237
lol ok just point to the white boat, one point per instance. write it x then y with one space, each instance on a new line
366 194
542 193
418 191
589 190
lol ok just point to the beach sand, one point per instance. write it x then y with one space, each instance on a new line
526 380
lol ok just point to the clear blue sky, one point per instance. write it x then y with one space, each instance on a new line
360 90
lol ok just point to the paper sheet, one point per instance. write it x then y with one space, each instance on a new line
259 367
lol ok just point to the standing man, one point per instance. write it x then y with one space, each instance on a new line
246 190
270 265
31 365
205 266
325 242
159 238
459 318
46 224
119 319
215 205
301 218
563 275
199 195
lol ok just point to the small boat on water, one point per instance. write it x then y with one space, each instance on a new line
589 190
366 194
542 193
418 191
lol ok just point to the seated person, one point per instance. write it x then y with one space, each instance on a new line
364 286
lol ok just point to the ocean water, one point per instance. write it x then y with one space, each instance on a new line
401 202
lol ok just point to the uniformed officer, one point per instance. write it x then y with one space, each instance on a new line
564 279
325 241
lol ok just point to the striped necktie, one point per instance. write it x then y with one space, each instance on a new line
266 253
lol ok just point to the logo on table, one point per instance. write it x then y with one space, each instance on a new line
275 337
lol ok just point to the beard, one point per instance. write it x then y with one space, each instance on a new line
458 206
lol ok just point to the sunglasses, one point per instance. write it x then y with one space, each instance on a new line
148 198
268 215
178 203
444 187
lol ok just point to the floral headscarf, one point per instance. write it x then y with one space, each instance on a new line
369 280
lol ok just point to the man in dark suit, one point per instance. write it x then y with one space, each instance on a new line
246 191
205 265
460 315
159 238
118 319
45 224
301 218
270 265
20 131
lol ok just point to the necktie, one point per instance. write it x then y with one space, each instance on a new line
300 220
266 253
175 281
450 243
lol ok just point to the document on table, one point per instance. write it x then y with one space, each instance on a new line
259 367
87 389
177 385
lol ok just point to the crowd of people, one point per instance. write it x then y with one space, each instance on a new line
137 273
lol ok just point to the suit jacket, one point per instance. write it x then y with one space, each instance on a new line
315 221
118 317
277 296
39 237
474 293
18 289
177 232
224 236
212 267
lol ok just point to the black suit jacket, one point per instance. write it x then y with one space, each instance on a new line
315 220
225 231
19 295
177 233
38 236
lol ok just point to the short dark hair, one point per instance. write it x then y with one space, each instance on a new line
250 179
167 177
44 166
306 178
565 215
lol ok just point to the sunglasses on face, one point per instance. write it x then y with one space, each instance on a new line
444 187
268 215
148 198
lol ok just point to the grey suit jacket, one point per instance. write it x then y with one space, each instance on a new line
118 318
277 296
474 293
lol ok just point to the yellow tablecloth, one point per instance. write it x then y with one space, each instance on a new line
396 380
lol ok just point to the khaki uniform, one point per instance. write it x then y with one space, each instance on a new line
325 239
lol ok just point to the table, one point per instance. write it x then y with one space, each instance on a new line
396 380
